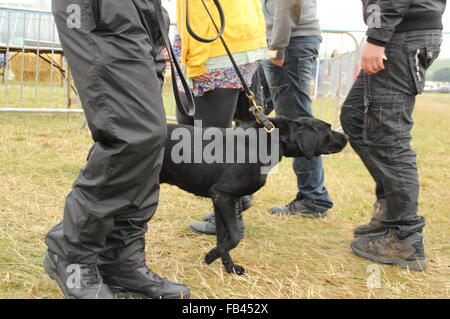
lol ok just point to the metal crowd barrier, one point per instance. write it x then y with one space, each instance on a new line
32 66
35 77
336 69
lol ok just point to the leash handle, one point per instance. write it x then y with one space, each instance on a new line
175 66
222 22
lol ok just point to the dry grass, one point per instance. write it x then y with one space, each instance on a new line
33 95
285 257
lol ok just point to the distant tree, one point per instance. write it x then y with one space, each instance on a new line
442 75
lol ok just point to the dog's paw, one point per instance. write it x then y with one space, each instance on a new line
211 257
236 270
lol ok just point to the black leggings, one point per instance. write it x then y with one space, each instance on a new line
216 108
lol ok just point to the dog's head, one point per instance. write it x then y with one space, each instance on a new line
308 137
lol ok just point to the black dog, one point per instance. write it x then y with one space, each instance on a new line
227 182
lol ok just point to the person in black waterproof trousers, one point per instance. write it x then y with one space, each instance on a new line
114 51
404 38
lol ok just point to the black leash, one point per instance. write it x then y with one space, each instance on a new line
222 22
175 67
258 111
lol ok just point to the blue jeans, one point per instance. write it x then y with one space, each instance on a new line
290 89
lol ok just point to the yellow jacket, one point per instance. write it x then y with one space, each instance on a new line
245 30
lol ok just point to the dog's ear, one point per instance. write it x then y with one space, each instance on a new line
285 126
306 137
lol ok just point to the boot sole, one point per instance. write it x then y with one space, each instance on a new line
49 267
120 292
416 265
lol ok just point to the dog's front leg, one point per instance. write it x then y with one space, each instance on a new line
228 234
227 261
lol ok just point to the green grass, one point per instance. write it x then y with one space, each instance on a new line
286 257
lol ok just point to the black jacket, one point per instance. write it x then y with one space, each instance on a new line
386 17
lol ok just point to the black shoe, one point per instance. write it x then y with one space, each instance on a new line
76 281
388 248
374 227
298 208
144 283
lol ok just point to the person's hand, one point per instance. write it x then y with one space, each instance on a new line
202 78
372 59
277 62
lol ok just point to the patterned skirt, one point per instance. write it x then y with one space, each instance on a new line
219 78
226 78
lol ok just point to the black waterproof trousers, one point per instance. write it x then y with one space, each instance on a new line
117 67
377 117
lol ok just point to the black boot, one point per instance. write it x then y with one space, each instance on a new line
76 281
143 283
